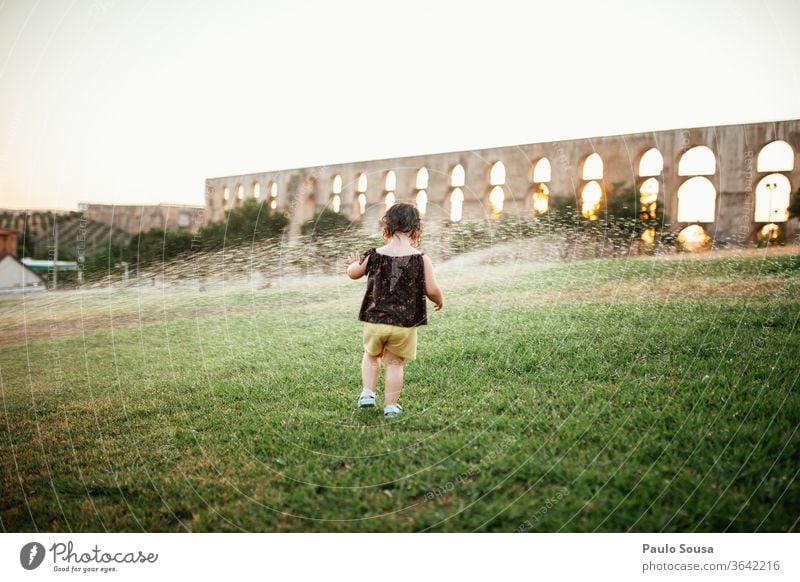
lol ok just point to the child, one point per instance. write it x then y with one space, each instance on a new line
399 279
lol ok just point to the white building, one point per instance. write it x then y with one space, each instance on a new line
16 277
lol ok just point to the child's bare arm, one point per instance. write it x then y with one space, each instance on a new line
354 269
432 289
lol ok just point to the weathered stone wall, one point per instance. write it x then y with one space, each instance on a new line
302 191
141 218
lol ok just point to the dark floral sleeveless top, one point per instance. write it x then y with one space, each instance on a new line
395 290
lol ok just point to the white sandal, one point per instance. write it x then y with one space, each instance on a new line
366 398
392 410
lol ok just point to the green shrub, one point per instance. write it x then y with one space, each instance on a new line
326 223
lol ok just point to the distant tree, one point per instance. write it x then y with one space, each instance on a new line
622 201
156 245
325 223
104 261
252 221
794 205
623 207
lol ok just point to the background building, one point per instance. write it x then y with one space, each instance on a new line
729 183
133 218
16 277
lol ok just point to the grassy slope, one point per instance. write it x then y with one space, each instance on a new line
607 395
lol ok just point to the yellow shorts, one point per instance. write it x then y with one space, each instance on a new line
401 341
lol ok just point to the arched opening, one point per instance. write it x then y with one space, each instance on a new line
336 184
697 200
390 182
697 161
593 167
497 175
496 198
226 197
648 198
772 198
458 176
422 179
389 200
541 199
422 201
456 204
591 195
239 194
361 183
651 163
541 171
694 238
256 190
273 195
776 156
362 203
336 202
770 234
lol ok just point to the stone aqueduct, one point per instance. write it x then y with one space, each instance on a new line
732 181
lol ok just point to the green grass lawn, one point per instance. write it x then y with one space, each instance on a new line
608 395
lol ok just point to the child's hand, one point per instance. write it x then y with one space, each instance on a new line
438 306
352 258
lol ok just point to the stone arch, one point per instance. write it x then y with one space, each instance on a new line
540 198
458 177
390 181
456 204
422 202
496 200
336 184
697 200
542 171
273 195
591 196
697 161
422 179
776 156
648 197
361 183
497 174
592 167
256 190
772 198
651 163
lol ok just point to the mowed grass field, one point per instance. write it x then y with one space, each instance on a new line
610 395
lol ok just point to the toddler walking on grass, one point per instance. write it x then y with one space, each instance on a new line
399 277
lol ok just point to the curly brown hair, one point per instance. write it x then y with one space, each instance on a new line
402 217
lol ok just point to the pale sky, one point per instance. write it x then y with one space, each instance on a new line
136 101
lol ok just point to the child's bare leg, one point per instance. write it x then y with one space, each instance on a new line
394 377
370 370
